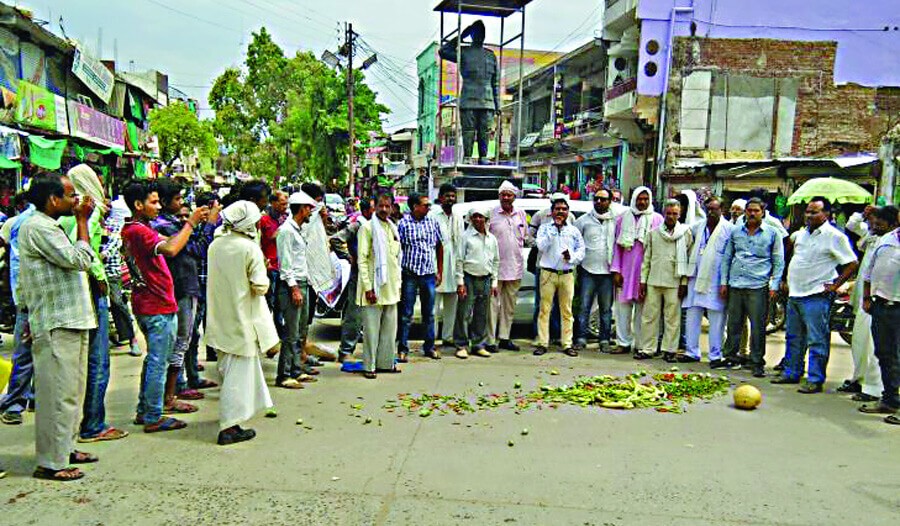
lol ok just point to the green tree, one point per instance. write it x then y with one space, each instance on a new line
180 133
283 117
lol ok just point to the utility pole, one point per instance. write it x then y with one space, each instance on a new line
349 38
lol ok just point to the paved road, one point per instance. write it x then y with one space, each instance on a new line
797 460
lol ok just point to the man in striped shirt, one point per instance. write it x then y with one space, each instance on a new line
422 266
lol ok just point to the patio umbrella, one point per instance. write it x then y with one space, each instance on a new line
831 188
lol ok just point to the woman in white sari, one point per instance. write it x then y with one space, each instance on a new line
238 324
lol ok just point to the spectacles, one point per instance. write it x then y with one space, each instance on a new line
598 198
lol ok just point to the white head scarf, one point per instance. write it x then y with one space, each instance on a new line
86 182
241 217
694 211
508 187
739 202
636 225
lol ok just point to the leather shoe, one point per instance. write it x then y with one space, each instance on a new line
569 351
508 345
539 350
810 388
850 386
785 380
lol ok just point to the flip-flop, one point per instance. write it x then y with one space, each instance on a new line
110 433
179 408
370 375
59 475
165 424
403 357
290 383
892 419
80 457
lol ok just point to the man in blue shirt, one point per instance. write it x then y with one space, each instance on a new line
422 266
19 392
751 272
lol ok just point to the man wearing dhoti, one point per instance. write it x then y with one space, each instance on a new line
238 324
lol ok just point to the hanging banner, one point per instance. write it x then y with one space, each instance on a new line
97 127
94 74
40 108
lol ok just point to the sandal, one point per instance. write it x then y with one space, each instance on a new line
165 424
892 419
393 370
203 383
403 356
369 375
290 383
306 378
59 475
640 355
190 394
179 408
110 433
80 457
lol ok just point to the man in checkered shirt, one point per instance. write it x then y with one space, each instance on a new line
422 266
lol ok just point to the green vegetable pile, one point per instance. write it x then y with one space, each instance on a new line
664 392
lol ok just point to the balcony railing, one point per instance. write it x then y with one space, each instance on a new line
621 89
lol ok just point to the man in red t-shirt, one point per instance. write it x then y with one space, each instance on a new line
153 300
268 228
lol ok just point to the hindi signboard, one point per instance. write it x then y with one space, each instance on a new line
97 127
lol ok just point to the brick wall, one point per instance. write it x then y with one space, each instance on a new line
829 119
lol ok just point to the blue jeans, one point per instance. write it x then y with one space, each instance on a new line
160 331
598 286
425 287
19 392
94 420
808 328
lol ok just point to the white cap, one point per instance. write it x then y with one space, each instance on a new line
483 212
301 198
557 196
508 187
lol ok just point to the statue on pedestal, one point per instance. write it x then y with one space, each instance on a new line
479 98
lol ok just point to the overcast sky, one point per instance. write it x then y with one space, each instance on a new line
193 41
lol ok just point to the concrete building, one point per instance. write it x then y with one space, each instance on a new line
726 95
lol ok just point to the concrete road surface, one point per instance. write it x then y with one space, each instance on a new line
799 459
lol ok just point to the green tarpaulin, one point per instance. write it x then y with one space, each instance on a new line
133 136
82 151
140 169
46 153
8 164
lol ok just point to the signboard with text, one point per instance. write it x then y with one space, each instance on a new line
92 125
93 74
41 108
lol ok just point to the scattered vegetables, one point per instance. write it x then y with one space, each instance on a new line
664 392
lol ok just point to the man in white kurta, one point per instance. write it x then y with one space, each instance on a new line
379 288
451 236
239 324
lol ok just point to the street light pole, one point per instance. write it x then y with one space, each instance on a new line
349 37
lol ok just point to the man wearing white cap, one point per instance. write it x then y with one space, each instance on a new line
239 324
510 226
294 298
477 268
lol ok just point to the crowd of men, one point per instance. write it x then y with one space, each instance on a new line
241 279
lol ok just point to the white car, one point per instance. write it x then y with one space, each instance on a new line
525 302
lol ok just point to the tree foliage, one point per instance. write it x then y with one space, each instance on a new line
180 133
285 117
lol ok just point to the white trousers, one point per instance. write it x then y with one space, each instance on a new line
445 311
865 364
692 324
628 323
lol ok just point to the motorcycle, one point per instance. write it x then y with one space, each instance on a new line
840 318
